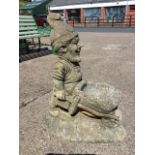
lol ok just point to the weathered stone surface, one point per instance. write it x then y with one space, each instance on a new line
86 127
83 128
79 110
35 81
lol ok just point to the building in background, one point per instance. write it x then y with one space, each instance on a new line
101 10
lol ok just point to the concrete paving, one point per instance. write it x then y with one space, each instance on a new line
106 57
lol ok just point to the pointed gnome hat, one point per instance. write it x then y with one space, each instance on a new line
62 33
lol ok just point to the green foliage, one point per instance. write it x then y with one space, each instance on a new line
22 3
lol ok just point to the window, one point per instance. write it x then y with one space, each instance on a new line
132 7
92 13
116 13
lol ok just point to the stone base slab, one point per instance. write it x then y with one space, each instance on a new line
83 128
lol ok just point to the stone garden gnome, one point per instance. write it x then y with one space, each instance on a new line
79 110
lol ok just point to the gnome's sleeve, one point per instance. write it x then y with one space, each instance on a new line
58 80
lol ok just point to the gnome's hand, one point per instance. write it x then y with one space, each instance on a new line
60 95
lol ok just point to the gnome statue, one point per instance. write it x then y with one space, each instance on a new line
72 96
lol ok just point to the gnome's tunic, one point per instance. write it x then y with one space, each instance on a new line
67 72
70 75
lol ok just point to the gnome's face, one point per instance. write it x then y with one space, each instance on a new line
72 52
70 49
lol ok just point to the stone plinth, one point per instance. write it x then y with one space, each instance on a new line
83 128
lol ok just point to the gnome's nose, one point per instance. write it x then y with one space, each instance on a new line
79 47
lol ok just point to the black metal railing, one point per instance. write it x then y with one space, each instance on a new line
126 21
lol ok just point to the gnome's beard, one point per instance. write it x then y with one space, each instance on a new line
75 59
72 58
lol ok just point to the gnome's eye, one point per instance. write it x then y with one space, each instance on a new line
63 46
77 51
